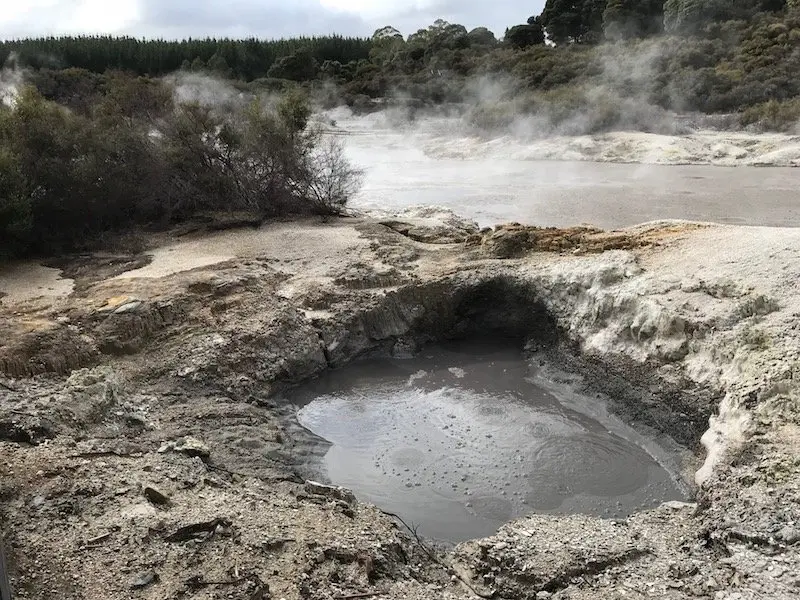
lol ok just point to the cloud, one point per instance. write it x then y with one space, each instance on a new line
48 17
242 18
377 9
260 18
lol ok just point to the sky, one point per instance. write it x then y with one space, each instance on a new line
243 18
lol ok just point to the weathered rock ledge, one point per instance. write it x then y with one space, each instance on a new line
145 451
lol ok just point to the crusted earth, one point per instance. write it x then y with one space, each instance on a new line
146 452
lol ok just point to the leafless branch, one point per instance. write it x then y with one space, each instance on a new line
432 555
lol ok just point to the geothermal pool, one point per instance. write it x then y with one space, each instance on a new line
639 177
467 436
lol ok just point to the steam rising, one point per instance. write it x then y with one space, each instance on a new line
612 115
204 90
11 79
615 99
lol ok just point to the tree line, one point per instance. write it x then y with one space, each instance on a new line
562 22
592 21
247 59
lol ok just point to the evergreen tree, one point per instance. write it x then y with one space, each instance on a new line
300 66
691 16
623 19
577 21
523 36
246 59
481 36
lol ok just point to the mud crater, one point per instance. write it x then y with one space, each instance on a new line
484 425
468 435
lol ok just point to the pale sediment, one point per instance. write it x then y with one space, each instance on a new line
676 322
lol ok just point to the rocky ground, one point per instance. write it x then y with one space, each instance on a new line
146 452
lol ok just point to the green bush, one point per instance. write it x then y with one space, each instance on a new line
15 207
138 159
774 116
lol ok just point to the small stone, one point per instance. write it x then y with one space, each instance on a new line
543 595
144 579
193 447
128 307
329 491
677 505
155 496
790 535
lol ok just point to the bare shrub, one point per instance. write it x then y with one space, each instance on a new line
331 180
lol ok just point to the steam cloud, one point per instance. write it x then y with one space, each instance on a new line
11 79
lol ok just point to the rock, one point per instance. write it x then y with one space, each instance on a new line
188 445
329 491
576 544
117 302
156 497
404 348
431 225
677 505
513 240
790 535
507 243
143 579
128 307
543 595
500 546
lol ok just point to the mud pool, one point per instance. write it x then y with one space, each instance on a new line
465 437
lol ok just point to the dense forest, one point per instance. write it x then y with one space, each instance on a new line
244 59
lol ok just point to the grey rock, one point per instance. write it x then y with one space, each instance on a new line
128 307
143 579
329 491
155 496
790 535
677 505
188 445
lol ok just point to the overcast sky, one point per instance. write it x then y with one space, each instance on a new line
261 18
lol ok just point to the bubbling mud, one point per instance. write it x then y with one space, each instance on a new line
464 437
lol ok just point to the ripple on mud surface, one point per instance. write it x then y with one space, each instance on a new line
461 439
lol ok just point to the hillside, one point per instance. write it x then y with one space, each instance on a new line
616 65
